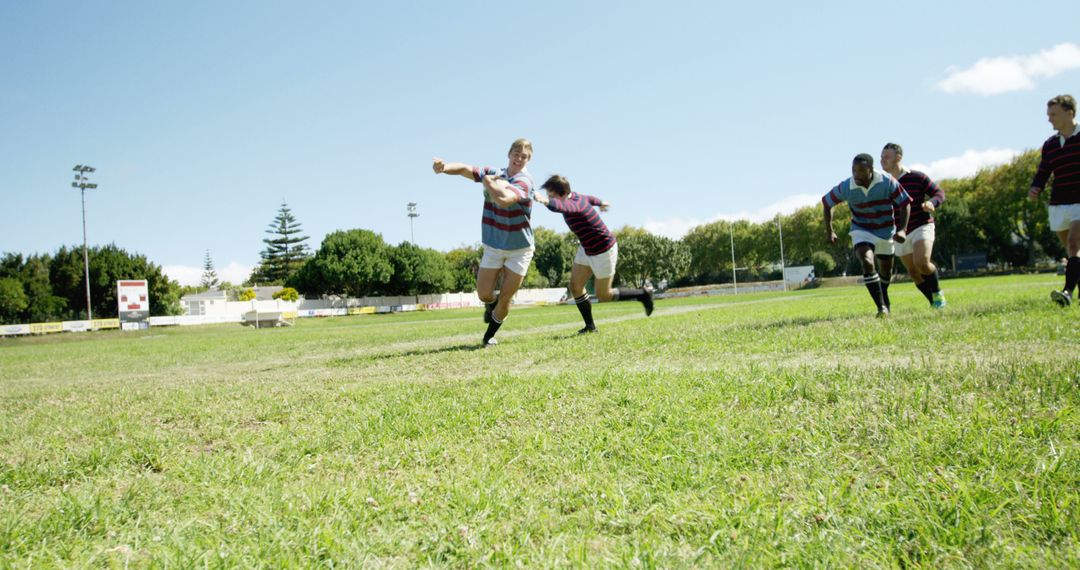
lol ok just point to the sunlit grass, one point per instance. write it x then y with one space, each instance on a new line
759 430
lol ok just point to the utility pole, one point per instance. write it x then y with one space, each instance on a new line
83 184
412 214
780 226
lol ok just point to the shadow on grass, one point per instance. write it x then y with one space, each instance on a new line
469 347
359 360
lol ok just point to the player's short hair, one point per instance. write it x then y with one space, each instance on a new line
894 147
1064 101
521 145
557 184
863 159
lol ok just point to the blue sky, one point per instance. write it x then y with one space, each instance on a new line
201 117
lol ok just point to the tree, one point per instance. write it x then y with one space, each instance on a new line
286 294
209 276
644 257
464 263
351 262
709 254
13 300
957 229
33 273
418 271
109 264
1017 230
823 263
285 251
554 256
533 278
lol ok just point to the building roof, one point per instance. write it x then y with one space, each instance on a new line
211 295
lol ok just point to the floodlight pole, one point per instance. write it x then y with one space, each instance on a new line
412 214
734 279
780 226
83 184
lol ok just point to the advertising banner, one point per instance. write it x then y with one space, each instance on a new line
41 328
76 326
100 324
14 329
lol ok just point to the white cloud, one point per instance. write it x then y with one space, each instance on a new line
994 75
966 164
234 273
676 228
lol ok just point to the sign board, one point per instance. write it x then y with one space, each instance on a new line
106 324
76 326
799 276
970 262
42 328
14 329
133 302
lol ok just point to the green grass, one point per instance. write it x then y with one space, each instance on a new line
758 430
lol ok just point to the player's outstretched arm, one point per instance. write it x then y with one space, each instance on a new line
440 166
602 204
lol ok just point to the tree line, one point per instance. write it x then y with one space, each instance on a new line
986 213
52 287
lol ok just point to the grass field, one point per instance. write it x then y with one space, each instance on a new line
758 430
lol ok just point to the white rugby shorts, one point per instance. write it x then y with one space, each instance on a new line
924 232
881 246
1062 216
516 260
602 265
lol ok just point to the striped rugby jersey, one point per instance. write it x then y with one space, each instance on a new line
921 189
507 228
871 208
1061 157
584 221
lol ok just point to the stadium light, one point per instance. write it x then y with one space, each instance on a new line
83 184
412 214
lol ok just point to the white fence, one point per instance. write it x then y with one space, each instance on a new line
220 311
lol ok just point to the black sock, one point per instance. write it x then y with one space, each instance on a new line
924 287
1072 274
932 284
873 285
885 293
493 327
624 294
585 307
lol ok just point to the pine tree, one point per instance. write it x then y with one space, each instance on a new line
285 251
209 277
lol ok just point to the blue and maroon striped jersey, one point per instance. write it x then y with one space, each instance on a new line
871 208
578 211
1061 157
507 228
921 189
